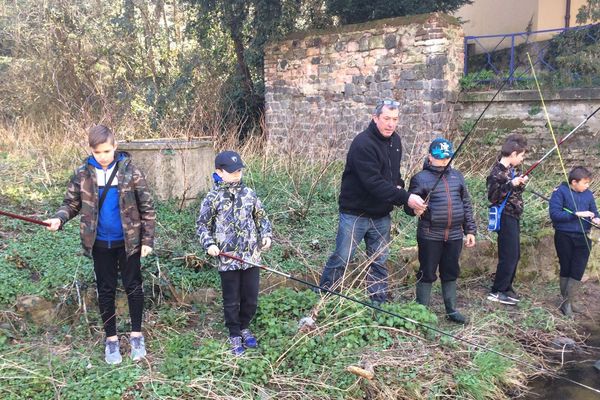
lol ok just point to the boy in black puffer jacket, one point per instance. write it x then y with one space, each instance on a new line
448 218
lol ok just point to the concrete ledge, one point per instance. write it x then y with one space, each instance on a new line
533 95
165 143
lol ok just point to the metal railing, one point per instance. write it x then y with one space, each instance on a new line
495 51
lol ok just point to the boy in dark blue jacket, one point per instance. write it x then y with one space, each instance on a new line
572 244
449 217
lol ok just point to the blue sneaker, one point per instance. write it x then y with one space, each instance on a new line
138 348
236 345
111 352
248 339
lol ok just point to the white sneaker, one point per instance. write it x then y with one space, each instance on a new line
138 348
111 352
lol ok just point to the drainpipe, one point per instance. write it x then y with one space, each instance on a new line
568 14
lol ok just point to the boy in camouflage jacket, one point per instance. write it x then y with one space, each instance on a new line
231 220
115 235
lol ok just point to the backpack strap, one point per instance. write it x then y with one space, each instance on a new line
107 187
512 172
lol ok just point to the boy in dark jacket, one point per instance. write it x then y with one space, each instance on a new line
449 217
232 220
572 244
115 233
504 181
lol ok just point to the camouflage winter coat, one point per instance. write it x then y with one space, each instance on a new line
499 184
233 218
138 217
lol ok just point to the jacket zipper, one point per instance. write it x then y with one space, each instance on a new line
447 230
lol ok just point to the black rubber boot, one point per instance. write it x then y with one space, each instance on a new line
423 293
449 295
573 293
564 283
565 306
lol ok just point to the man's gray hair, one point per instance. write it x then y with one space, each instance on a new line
388 103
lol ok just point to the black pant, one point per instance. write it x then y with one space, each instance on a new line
509 253
573 250
240 298
437 252
107 263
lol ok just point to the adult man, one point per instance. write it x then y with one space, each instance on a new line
371 187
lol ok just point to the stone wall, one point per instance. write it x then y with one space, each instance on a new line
322 86
520 111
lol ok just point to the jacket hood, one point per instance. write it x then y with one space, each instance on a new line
119 156
219 183
436 170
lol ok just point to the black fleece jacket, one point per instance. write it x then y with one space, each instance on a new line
372 174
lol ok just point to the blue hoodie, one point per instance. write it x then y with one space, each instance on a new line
564 221
110 228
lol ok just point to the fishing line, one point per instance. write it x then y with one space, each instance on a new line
374 307
562 163
460 145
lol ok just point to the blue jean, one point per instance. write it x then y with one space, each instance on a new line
352 230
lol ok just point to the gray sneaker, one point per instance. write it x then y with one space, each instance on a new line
138 348
111 352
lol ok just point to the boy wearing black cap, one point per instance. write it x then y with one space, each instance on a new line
232 220
449 217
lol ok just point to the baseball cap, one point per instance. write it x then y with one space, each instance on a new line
441 148
229 161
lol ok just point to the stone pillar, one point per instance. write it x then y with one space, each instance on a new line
322 86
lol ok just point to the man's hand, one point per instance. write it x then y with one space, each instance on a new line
146 250
54 224
470 240
417 204
266 243
596 221
213 250
585 214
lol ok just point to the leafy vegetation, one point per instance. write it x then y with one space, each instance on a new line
189 357
355 11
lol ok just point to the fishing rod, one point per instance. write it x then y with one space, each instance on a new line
460 145
376 308
541 196
534 166
22 218
560 158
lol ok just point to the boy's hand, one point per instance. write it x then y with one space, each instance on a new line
519 180
585 214
213 250
146 250
470 240
266 243
596 221
54 224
